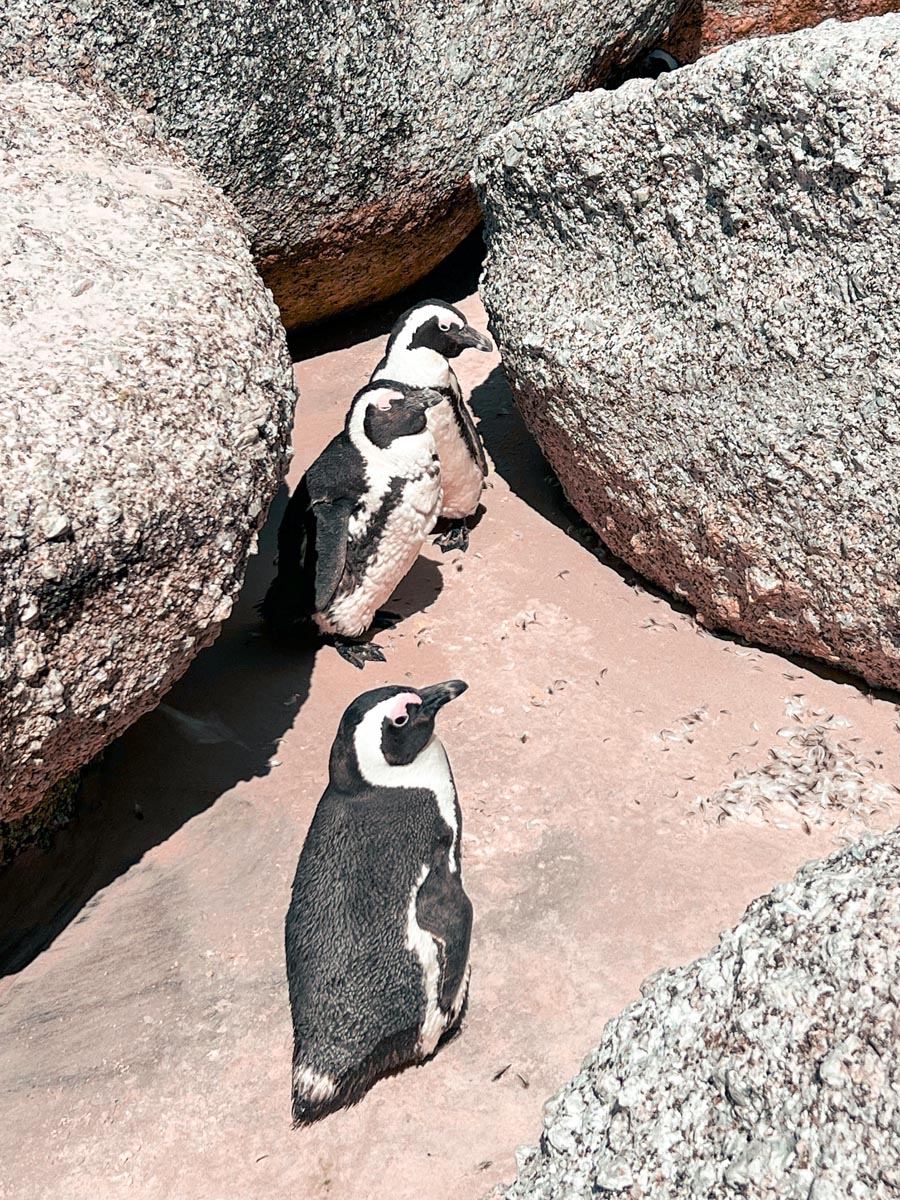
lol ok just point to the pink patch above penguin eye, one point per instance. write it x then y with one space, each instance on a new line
383 399
397 712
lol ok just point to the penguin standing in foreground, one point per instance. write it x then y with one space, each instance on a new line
358 519
377 932
421 344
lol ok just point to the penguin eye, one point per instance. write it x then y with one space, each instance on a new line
443 326
403 719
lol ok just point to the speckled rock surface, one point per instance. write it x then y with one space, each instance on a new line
694 286
146 402
767 1070
343 133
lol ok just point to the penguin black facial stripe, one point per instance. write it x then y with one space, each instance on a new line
431 769
418 315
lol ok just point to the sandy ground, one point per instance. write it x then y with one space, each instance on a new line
144 1024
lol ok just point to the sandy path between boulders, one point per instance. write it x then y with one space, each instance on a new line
146 1050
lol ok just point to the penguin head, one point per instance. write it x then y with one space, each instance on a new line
648 65
434 325
386 728
389 410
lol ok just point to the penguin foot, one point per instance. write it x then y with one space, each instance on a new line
357 654
385 620
454 538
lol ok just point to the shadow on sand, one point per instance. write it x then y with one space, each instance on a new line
218 725
518 459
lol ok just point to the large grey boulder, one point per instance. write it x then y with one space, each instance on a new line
343 132
694 286
146 401
767 1070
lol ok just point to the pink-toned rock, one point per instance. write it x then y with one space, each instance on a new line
342 130
146 402
692 283
704 26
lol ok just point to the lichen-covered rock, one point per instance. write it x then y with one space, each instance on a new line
694 286
703 26
768 1070
343 132
146 401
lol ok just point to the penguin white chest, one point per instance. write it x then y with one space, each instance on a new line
461 474
395 548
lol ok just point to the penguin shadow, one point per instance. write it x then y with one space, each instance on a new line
453 280
518 459
219 725
418 590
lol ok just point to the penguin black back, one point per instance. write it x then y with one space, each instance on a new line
377 932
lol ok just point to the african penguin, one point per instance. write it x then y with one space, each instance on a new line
358 519
421 343
649 64
378 927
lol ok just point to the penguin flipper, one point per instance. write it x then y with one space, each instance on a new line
468 432
445 911
332 519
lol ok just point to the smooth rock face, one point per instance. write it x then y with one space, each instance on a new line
694 286
766 1070
146 402
703 26
343 133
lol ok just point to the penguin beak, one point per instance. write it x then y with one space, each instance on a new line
428 397
469 338
439 694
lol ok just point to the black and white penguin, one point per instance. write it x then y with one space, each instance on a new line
377 932
649 64
358 519
421 344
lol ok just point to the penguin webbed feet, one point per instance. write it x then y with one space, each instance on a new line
454 537
357 654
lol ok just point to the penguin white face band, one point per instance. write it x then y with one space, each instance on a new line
430 769
446 320
367 739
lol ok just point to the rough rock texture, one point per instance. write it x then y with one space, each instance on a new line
766 1070
694 287
343 133
707 25
146 402
164 1073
